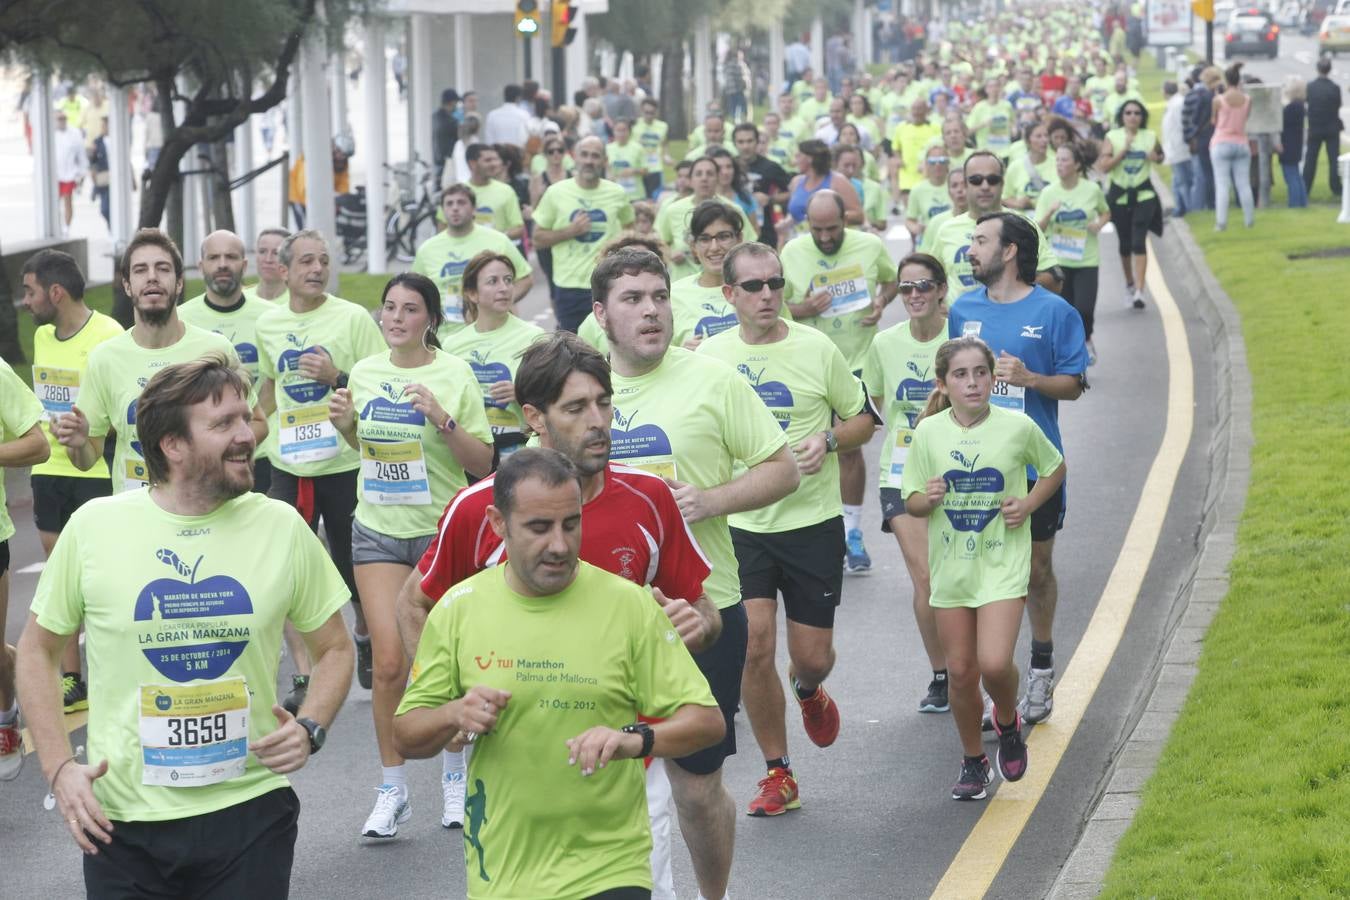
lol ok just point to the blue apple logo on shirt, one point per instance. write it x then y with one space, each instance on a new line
248 353
973 494
191 637
775 395
387 409
962 258
718 320
1070 216
302 391
915 390
454 267
628 442
598 220
488 373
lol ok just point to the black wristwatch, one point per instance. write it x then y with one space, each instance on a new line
648 737
831 441
317 734
341 380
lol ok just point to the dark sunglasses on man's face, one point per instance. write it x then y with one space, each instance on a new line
977 180
554 151
923 286
755 285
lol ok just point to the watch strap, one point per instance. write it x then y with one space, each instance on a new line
648 737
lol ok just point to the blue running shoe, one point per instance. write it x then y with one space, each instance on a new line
856 560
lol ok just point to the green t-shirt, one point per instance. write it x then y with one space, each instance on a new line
1020 182
307 443
20 410
973 557
794 131
1069 238
624 162
118 370
607 205
930 233
598 653
183 618
672 224
442 258
652 137
701 311
811 111
590 331
992 123
899 370
853 276
911 141
693 419
239 328
494 356
782 150
408 474
498 206
1135 168
1098 88
874 201
926 202
952 247
801 379
1115 100
58 371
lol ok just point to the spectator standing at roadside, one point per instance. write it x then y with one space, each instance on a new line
1290 147
508 123
1176 153
1324 126
444 128
1230 151
1196 128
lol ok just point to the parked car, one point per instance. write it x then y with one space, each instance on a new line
1334 35
1253 32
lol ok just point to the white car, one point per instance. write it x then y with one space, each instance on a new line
1289 15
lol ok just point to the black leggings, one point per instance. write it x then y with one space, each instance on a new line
1080 289
1132 223
331 498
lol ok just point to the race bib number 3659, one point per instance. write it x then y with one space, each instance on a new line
195 734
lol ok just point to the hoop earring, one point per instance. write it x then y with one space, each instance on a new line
426 343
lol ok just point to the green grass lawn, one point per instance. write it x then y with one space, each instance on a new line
1251 794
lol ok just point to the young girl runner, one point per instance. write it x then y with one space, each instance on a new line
967 472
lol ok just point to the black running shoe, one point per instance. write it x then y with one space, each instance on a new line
1012 750
975 776
935 701
364 661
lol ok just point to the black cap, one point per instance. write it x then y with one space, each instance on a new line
449 95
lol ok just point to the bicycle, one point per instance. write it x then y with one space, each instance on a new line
408 222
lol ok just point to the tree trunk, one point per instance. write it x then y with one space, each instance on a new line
672 89
9 321
222 210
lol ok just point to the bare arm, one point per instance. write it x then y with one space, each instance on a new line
29 449
412 610
334 658
1057 387
258 425
689 730
422 732
855 431
761 484
522 287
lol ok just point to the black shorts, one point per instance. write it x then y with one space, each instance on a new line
1050 517
892 505
722 664
4 559
262 475
244 850
805 565
56 497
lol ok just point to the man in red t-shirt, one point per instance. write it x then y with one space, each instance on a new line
631 526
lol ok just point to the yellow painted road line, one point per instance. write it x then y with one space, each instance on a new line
991 840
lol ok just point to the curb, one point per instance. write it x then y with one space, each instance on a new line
1204 584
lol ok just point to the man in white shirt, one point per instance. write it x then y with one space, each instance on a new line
508 123
71 164
1176 152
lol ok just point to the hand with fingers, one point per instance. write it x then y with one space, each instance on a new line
287 748
73 789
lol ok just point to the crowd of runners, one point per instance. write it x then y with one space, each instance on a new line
565 551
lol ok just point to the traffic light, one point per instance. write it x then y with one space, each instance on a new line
527 18
1203 9
564 14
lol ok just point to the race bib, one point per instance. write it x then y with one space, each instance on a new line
136 475
58 389
195 734
307 435
1009 396
847 287
662 467
1069 243
501 421
452 307
394 473
904 437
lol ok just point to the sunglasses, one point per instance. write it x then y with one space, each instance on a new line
977 180
553 151
937 160
923 286
755 285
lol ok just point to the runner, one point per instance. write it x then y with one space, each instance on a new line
117 369
848 159
306 349
184 792
22 443
271 281
794 546
651 133
631 527
627 161
814 174
929 198
443 256
693 420
991 118
768 180
839 281
956 190
1071 212
899 373
1041 360
415 415
66 331
908 143
978 549
550 613
576 217
492 344
1031 170
672 221
698 306
496 205
1126 157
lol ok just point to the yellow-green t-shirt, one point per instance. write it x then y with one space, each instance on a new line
239 327
590 331
307 443
442 258
494 356
498 206
811 111
117 372
899 370
1135 168
974 558
1069 238
926 202
930 233
701 311
693 419
610 212
911 142
624 161
1020 182
873 201
183 619
801 380
952 247
408 473
58 372
853 276
672 224
20 410
599 652
992 123
652 137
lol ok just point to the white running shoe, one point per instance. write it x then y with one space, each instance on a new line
1037 705
391 810
452 788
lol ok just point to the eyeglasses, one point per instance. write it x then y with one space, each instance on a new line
937 160
1133 112
755 285
977 180
722 237
923 286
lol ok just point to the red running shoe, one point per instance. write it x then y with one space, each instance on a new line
777 794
